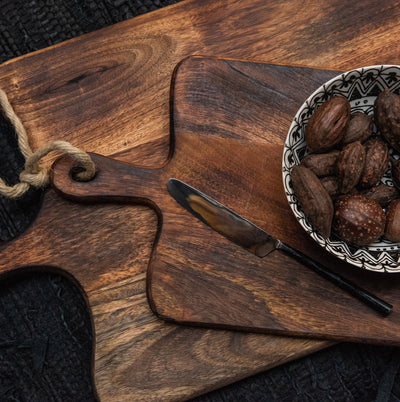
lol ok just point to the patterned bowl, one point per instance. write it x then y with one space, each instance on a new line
360 86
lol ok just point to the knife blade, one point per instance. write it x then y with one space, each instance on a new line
255 240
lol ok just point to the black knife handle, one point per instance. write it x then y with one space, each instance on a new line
367 298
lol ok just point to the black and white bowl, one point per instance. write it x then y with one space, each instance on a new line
361 87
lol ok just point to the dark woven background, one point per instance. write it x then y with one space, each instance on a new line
45 334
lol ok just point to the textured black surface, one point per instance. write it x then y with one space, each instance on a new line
45 333
45 341
347 372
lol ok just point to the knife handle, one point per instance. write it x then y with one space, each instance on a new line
361 294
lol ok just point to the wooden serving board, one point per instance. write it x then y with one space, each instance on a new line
108 92
229 121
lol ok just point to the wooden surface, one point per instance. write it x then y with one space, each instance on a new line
137 356
108 92
229 122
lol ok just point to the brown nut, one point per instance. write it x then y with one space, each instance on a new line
359 128
387 117
331 185
350 165
396 173
382 194
327 125
321 164
376 162
358 220
313 198
392 229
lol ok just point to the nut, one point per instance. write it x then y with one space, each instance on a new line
313 198
392 230
376 162
396 173
359 128
382 194
350 165
331 185
321 164
358 220
387 117
327 125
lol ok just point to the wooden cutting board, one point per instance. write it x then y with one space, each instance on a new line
107 92
229 121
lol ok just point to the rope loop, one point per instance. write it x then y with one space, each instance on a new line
34 174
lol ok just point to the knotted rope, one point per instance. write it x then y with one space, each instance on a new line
34 174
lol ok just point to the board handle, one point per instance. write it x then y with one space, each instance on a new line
361 294
113 181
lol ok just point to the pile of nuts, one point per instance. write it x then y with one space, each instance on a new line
338 183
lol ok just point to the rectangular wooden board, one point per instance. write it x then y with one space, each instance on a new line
230 120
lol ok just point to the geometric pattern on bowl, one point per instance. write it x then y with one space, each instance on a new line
361 87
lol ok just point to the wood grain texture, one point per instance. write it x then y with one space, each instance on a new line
108 92
230 121
137 356
103 249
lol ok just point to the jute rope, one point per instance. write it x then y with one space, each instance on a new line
36 175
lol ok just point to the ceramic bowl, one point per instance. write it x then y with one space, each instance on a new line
361 87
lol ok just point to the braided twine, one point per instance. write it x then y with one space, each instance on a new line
34 174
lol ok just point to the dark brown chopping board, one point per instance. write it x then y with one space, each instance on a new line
229 121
